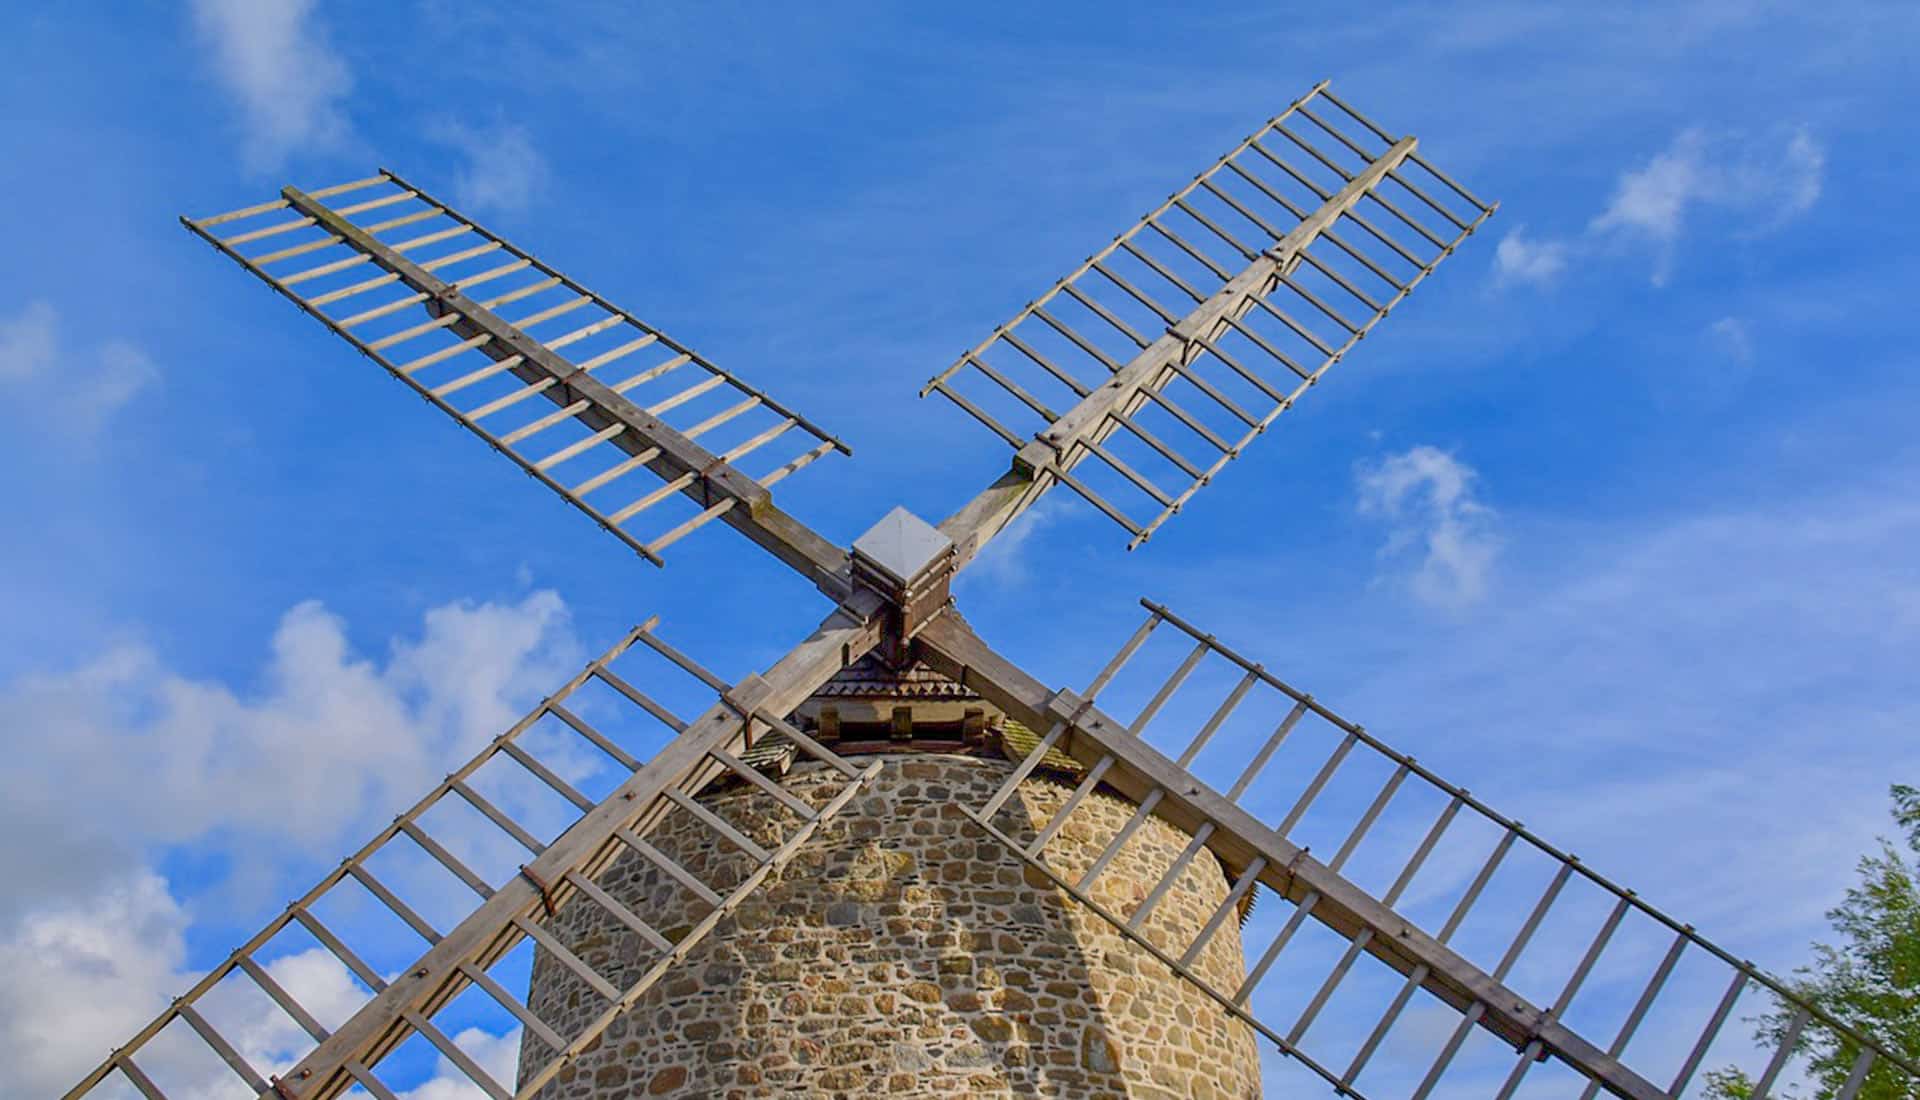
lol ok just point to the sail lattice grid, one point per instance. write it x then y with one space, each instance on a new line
1163 355
581 394
432 925
1414 942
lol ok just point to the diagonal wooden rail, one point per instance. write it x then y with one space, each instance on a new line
1144 776
404 1004
711 481
1164 379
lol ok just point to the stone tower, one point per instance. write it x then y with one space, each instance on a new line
904 952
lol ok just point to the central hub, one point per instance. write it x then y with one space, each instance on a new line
907 562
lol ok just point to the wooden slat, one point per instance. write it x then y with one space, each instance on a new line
138 1076
546 775
691 525
493 813
447 859
560 953
579 447
341 951
599 740
284 999
719 825
528 1019
667 864
756 778
619 911
460 1058
233 1058
393 901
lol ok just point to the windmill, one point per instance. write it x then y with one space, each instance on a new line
1098 873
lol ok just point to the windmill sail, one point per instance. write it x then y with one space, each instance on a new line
516 800
1165 353
451 310
1487 961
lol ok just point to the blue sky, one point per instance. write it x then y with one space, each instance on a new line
1613 521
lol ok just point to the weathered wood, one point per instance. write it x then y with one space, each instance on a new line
1239 839
1206 320
683 765
566 383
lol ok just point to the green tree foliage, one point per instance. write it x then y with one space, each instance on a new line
1869 979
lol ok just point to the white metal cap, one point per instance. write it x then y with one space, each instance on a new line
901 545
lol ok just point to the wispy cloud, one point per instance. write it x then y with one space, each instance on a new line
1651 201
94 385
1003 563
1765 183
1520 259
1426 497
502 169
274 57
1730 337
28 342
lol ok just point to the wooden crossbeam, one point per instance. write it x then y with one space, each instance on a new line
710 479
1139 772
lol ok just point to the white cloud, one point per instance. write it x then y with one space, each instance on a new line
1766 183
502 169
28 342
120 758
273 57
82 979
1652 200
1805 166
1730 336
497 1055
1520 260
1426 496
121 371
171 760
1735 677
101 382
1003 563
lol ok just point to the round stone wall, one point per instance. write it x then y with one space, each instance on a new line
903 952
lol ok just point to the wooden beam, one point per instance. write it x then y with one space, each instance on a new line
714 479
1242 841
1067 441
683 765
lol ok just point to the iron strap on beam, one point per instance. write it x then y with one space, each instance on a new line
950 647
714 482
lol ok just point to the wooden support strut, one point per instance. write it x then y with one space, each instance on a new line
714 480
1062 444
683 765
1140 772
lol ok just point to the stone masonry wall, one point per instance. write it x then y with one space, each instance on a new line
905 953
